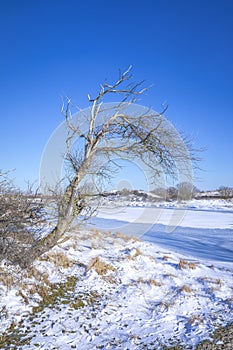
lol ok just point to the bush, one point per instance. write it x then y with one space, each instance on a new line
21 218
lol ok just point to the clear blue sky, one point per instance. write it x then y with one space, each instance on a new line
51 47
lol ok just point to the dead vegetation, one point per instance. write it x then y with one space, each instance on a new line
100 266
6 279
126 238
184 264
195 319
185 288
150 282
59 259
216 281
21 220
134 253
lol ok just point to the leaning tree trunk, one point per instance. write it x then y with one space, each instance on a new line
65 219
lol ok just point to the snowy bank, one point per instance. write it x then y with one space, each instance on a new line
103 291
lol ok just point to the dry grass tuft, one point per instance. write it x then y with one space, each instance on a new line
170 275
150 282
95 234
186 289
32 272
126 238
100 266
111 279
7 280
217 281
59 259
195 319
77 303
184 264
165 305
23 296
134 253
43 291
166 258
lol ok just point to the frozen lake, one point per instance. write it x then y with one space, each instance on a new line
198 233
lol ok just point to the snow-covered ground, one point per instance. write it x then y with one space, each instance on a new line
104 290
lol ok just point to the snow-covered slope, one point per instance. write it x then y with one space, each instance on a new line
104 291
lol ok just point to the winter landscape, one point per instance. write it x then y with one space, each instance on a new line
116 188
106 288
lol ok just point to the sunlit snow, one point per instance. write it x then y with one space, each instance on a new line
126 293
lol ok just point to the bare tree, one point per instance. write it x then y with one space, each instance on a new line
172 192
185 191
225 192
115 130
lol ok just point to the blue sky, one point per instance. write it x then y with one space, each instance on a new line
184 48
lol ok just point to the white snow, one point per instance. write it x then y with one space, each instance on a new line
188 217
197 228
147 293
196 213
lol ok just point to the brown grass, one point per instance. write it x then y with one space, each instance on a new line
150 281
167 304
111 279
165 257
135 252
23 296
59 259
126 238
170 275
77 304
7 280
95 234
100 266
32 272
184 264
186 289
217 281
